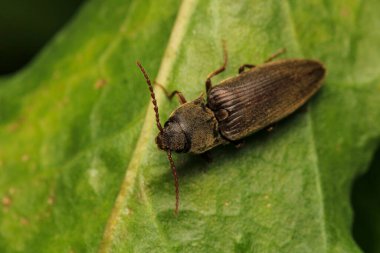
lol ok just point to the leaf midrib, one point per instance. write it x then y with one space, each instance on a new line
168 60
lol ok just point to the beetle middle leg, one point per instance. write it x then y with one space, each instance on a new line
219 70
239 143
207 156
246 66
170 95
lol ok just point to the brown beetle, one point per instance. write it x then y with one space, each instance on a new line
237 106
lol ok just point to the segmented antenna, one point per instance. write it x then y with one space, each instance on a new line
176 184
169 153
153 96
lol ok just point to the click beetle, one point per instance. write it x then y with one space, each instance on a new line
237 107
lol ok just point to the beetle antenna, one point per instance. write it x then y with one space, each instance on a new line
176 184
152 95
169 153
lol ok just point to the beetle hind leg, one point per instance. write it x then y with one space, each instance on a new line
219 70
272 57
275 55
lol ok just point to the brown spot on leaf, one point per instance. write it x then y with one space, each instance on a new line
25 158
51 200
16 125
24 221
12 191
100 83
344 12
6 201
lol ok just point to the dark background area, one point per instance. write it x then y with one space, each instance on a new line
27 25
366 203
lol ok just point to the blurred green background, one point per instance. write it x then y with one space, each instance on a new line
26 26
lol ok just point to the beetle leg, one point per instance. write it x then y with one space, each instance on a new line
271 127
246 66
250 66
207 156
170 95
239 144
219 70
275 55
236 143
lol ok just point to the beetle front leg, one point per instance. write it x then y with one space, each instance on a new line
170 95
219 70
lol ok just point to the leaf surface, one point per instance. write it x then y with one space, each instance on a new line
79 168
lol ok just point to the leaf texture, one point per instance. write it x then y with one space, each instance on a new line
80 171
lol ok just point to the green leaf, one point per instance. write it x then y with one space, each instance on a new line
80 171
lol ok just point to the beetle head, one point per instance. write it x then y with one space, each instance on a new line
172 137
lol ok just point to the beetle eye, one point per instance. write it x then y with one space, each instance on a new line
160 141
169 121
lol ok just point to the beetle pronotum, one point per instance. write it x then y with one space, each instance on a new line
237 106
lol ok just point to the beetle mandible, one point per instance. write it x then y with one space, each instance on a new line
237 107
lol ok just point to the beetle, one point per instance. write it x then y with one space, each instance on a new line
237 107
